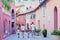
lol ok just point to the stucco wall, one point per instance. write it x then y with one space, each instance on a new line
22 19
4 16
13 7
50 12
48 19
1 28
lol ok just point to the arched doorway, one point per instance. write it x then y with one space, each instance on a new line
55 18
13 27
13 17
12 13
4 24
9 26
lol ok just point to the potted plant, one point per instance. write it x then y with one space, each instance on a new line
44 32
56 34
37 32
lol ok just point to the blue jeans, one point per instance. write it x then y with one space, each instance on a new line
33 32
28 34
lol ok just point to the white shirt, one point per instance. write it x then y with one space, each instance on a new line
32 27
22 27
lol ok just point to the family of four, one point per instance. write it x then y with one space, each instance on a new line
29 30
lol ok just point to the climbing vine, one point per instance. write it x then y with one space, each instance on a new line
5 3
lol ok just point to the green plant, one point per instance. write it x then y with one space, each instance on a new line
37 30
56 32
8 6
44 31
5 3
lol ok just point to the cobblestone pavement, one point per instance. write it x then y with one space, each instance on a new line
15 37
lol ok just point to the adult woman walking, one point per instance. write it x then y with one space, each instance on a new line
28 30
33 29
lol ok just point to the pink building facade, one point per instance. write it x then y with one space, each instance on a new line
46 15
53 13
26 19
22 20
13 15
6 21
49 14
1 28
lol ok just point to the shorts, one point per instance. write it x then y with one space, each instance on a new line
22 30
18 33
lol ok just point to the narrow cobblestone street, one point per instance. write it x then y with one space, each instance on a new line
15 37
40 19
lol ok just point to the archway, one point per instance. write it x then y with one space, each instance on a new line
9 26
13 16
12 13
55 18
4 24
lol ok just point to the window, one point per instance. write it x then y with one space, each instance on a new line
26 8
55 18
12 13
12 27
44 10
12 24
12 16
39 24
12 10
32 16
27 16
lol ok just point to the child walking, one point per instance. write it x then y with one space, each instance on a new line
18 30
22 30
28 30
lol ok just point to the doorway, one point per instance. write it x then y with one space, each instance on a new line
12 27
55 18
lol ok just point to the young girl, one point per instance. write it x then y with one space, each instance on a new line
22 30
28 30
18 30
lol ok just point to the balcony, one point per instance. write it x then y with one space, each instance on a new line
13 17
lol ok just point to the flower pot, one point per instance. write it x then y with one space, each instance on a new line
44 32
45 35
